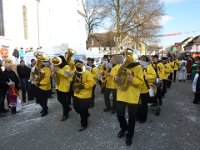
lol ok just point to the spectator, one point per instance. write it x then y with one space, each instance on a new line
16 55
12 82
196 86
3 90
21 53
24 75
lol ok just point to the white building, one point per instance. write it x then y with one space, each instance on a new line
46 23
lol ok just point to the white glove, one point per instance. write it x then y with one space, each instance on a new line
11 82
88 68
69 74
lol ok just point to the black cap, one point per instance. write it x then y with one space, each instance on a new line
155 56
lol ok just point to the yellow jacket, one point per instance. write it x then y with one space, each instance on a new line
176 64
149 76
95 74
160 69
132 94
88 82
167 70
64 81
110 83
45 83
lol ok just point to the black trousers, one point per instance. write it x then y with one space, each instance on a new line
142 111
132 110
70 94
93 95
169 82
63 99
42 98
175 71
33 92
82 106
25 87
196 98
164 90
102 88
2 98
107 93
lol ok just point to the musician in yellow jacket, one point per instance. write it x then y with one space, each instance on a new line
171 64
160 74
93 69
149 78
176 66
167 70
128 94
44 88
110 85
82 85
63 76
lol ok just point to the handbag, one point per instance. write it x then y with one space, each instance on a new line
19 104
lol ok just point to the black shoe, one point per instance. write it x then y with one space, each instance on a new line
82 129
128 140
106 109
142 121
160 103
183 80
88 115
121 133
91 105
5 110
2 115
13 110
44 113
195 102
180 80
64 118
113 111
69 108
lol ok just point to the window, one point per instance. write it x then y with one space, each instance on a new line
1 19
25 22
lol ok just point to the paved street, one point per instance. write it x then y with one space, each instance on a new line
177 128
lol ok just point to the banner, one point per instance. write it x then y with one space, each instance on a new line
172 34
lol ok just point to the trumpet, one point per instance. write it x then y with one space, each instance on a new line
78 84
56 61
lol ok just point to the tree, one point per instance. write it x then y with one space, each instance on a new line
95 11
137 18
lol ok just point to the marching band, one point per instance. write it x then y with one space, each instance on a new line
133 85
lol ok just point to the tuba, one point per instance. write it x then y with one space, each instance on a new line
38 73
70 53
124 73
77 81
55 61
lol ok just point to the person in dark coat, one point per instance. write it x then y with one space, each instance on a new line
3 90
12 86
16 55
196 86
24 75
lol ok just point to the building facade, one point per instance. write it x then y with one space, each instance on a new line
46 23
